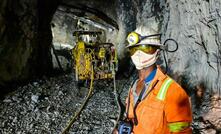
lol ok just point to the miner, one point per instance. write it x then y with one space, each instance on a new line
156 104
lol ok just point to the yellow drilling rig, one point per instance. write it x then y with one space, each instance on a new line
93 60
100 56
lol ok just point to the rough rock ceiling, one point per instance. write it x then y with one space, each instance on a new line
104 10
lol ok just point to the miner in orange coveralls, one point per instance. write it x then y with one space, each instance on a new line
156 104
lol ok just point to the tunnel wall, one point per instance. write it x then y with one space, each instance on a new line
25 39
25 36
195 25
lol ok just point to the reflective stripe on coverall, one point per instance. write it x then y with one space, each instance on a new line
165 110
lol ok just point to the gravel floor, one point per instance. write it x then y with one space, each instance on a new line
45 107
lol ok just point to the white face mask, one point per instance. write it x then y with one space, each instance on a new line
142 60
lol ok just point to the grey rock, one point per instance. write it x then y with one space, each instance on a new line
7 100
34 98
60 93
35 83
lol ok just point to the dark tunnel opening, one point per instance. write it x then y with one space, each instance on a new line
68 19
40 63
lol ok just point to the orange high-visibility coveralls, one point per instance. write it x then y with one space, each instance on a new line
165 110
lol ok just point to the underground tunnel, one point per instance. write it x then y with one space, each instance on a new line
44 82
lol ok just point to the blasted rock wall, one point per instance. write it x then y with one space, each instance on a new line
196 25
18 26
25 39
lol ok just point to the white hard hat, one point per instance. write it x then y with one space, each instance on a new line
144 36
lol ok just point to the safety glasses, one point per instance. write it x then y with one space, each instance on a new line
145 48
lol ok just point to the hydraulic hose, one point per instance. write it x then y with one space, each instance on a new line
117 100
167 49
73 119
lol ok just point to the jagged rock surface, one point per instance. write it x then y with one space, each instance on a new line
25 39
196 27
46 106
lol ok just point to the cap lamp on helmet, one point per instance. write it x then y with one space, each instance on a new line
134 38
143 36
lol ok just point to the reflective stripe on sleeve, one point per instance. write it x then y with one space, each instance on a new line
163 90
178 126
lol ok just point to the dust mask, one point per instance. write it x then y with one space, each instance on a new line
142 60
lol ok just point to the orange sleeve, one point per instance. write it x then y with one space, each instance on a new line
177 108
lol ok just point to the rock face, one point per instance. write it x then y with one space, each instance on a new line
17 36
196 27
25 39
